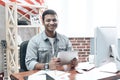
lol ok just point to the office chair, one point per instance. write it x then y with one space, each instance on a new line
23 48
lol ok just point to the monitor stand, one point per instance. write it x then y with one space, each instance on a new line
116 57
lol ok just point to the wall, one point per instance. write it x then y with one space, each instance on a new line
81 44
2 34
81 17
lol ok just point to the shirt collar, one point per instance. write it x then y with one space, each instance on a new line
46 38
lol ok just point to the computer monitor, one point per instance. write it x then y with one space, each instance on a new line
106 44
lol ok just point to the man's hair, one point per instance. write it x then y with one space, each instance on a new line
48 11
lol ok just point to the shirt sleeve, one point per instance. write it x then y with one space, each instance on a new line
31 55
69 46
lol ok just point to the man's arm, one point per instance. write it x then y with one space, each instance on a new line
69 46
31 55
52 65
39 66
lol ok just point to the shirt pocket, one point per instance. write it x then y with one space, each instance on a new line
43 54
61 48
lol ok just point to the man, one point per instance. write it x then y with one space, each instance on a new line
43 48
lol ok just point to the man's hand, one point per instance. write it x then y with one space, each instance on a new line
54 63
73 63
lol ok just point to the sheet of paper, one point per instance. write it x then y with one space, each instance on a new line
58 75
67 56
38 75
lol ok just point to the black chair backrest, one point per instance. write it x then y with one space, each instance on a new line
23 48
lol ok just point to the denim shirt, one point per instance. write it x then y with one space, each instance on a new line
39 49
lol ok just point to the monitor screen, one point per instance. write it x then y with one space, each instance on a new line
104 38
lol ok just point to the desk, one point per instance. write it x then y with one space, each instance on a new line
21 75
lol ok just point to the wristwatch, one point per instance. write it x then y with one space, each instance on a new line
46 66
